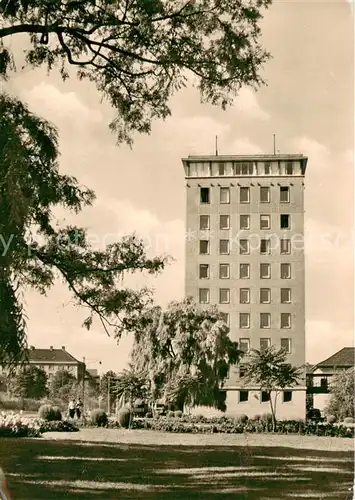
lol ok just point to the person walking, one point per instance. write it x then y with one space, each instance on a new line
79 408
4 491
71 408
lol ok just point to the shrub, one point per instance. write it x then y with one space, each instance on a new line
266 417
57 426
149 414
242 419
170 414
124 417
99 418
348 420
256 418
178 413
57 413
331 419
46 412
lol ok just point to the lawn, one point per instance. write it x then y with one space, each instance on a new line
116 464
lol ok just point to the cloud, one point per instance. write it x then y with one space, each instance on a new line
247 104
47 100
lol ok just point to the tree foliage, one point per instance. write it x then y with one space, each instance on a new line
268 370
35 250
63 385
29 382
130 385
183 348
342 395
138 53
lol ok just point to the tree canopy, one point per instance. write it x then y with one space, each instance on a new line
342 395
35 251
175 347
28 382
138 53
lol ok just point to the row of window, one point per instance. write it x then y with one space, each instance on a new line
244 194
244 271
264 396
244 221
245 295
264 320
264 246
248 168
265 343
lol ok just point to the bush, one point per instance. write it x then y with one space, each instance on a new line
178 413
57 426
57 413
266 417
170 414
124 417
99 418
256 418
46 412
348 420
242 419
149 414
331 419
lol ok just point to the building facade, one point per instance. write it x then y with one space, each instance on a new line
245 254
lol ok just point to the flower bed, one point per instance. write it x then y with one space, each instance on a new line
16 425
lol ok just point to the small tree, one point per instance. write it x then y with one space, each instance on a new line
268 370
341 401
63 385
130 385
29 382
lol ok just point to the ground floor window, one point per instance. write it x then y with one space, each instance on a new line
265 396
287 396
243 396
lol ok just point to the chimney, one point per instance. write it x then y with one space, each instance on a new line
63 347
51 348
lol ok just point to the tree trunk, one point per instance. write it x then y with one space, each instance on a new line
272 414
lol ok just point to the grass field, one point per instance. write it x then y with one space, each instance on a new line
117 464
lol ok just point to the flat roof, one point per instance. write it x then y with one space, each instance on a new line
295 156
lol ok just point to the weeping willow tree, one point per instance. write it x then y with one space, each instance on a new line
35 250
184 352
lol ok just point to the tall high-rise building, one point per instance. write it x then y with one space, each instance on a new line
245 254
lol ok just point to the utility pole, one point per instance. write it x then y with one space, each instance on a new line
83 393
216 145
274 144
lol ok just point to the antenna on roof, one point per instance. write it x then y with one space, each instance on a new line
216 145
274 144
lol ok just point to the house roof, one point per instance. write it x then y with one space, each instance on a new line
343 358
50 356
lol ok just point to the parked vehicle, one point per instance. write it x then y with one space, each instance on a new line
315 415
159 408
140 408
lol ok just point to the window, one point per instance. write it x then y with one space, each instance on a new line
264 194
244 221
224 271
242 371
243 169
244 271
265 271
289 168
267 168
285 320
265 396
224 247
265 295
221 169
204 271
286 344
244 295
224 295
284 194
265 320
285 271
244 195
224 195
287 396
244 247
204 247
264 221
284 221
265 247
285 295
225 317
285 246
204 295
244 320
205 195
244 344
264 344
224 222
204 222
243 396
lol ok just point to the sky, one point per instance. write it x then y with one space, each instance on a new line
308 103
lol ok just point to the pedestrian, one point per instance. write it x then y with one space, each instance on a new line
79 408
4 491
71 408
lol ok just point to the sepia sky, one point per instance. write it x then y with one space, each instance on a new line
308 103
